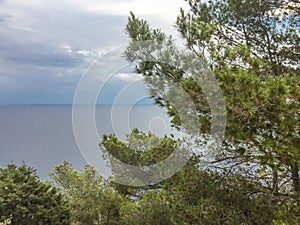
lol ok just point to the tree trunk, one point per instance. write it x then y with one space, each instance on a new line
295 177
275 181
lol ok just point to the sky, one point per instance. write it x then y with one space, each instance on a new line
46 46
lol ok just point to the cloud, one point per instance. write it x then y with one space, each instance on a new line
36 55
141 7
3 17
50 60
165 10
36 68
128 76
110 7
46 45
83 52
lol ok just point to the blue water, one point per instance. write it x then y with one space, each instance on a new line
42 135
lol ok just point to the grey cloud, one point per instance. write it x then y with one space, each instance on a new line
36 69
3 17
37 54
44 60
82 30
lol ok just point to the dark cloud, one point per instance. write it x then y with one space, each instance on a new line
3 17
37 73
36 54
43 59
35 66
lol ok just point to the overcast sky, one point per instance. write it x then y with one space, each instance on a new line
46 45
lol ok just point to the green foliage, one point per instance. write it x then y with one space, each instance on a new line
263 114
139 149
252 47
262 111
28 201
194 196
261 35
206 197
92 201
150 209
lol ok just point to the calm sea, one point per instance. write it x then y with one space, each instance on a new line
42 135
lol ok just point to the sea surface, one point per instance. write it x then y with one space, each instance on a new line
42 135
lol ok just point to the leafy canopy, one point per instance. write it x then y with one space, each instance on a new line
25 200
